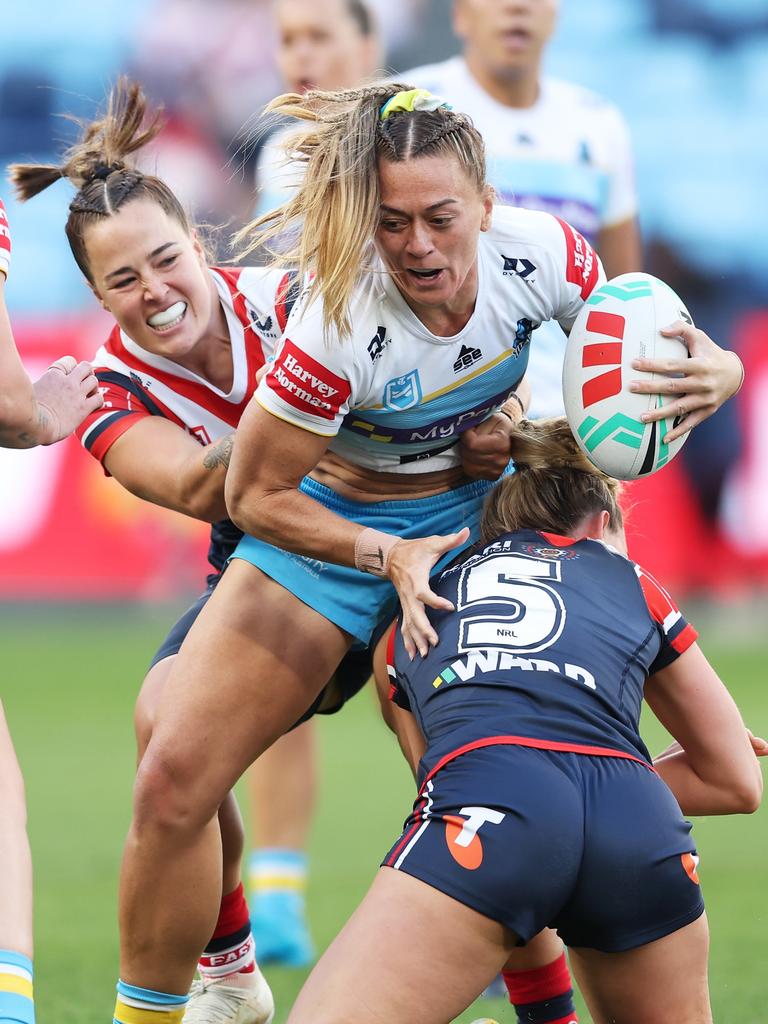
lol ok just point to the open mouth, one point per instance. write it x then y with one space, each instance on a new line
516 38
425 276
168 318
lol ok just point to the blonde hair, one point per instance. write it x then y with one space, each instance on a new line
554 485
327 225
97 167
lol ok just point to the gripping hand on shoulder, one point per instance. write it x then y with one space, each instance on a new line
66 393
699 385
409 566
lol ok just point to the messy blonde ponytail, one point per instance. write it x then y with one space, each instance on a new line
328 224
554 485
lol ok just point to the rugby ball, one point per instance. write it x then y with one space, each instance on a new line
619 322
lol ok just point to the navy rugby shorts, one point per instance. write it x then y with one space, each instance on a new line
350 677
593 846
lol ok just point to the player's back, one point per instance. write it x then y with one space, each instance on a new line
551 642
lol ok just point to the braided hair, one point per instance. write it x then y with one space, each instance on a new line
97 167
327 226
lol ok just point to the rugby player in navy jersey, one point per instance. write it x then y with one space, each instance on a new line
539 803
30 414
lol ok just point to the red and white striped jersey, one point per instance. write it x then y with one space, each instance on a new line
136 383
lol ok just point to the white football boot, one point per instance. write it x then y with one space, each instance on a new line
217 1003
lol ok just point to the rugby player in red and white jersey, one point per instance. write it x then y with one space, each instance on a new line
176 373
346 467
31 414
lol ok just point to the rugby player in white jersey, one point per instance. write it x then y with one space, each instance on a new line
552 145
30 414
346 468
322 44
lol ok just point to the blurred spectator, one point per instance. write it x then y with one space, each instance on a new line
212 65
551 146
323 44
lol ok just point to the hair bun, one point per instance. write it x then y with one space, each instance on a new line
101 172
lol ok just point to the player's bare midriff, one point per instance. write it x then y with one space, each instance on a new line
357 483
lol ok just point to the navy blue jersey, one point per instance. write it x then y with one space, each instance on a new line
550 646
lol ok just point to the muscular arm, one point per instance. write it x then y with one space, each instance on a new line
269 460
716 771
619 248
160 462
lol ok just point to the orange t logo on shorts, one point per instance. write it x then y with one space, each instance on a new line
690 864
461 834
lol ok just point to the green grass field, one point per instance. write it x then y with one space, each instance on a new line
69 681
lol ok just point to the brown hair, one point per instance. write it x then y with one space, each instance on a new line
97 167
328 224
554 485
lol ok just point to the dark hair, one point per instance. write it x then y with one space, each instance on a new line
361 14
97 167
554 486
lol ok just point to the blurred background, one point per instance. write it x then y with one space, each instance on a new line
91 578
691 80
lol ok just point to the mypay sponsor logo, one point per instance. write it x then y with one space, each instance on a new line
307 385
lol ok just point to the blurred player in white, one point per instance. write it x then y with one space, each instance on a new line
30 414
323 44
552 145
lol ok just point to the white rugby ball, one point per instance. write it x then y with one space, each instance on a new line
619 322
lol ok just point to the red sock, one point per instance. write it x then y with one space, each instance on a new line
543 995
230 950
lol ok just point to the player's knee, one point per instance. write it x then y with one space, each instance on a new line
167 797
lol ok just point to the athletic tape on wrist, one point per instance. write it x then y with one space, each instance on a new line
372 551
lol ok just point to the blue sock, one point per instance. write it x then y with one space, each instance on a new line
278 881
134 1002
17 1004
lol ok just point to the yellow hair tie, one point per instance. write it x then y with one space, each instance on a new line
410 100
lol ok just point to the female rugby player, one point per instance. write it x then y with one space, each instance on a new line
539 804
415 328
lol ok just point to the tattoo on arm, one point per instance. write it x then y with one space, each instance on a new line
220 453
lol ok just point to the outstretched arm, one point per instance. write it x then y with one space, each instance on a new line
714 770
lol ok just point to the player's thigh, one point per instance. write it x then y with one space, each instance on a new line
662 982
409 953
251 664
145 711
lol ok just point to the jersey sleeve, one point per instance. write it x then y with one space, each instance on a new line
676 634
578 272
397 693
310 383
123 407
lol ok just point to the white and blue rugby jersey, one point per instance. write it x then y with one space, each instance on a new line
395 397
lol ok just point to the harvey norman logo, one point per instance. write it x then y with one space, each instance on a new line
307 385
